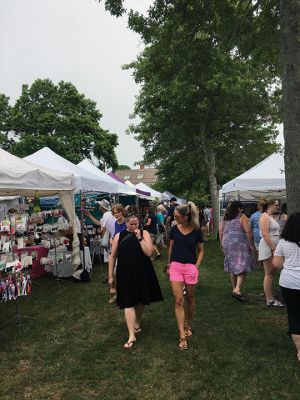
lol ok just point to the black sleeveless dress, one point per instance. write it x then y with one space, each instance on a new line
137 282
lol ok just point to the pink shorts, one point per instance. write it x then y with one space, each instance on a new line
187 273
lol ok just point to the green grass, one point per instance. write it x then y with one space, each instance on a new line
73 349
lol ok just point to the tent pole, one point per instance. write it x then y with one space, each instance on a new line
82 230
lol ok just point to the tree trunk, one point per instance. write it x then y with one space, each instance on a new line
214 192
290 56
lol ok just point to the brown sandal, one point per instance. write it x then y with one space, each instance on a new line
128 345
188 332
183 344
112 300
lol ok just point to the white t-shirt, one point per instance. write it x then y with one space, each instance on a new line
290 274
108 221
207 214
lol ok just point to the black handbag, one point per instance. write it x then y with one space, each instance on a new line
161 228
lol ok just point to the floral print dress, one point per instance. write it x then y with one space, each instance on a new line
238 257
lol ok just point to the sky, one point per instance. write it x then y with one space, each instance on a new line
79 42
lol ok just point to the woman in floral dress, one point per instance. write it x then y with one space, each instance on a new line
237 245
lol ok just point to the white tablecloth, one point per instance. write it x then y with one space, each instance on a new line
62 264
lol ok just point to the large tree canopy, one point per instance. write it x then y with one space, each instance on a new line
59 117
249 29
203 84
207 106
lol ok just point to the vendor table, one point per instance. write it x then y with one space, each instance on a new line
63 267
62 263
37 270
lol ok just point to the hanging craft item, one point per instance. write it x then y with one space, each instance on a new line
14 285
36 203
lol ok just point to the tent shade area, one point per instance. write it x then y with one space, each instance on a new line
265 178
21 177
83 180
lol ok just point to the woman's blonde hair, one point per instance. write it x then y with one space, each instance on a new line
191 211
264 203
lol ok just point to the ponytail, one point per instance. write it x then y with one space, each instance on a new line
191 211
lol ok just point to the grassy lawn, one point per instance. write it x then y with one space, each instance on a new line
73 349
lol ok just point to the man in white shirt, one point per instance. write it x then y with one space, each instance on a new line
107 223
108 220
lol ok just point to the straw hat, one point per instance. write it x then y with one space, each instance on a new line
104 204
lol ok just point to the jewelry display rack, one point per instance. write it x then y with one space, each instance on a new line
18 317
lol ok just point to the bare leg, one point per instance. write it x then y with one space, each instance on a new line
156 250
268 279
113 286
155 253
203 230
296 340
240 279
130 317
179 309
233 281
139 309
207 229
191 305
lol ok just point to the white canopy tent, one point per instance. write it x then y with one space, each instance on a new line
83 180
170 195
142 196
265 178
21 177
121 188
154 193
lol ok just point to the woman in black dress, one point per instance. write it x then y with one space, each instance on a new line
137 283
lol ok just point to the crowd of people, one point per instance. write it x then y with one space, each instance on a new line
269 238
134 246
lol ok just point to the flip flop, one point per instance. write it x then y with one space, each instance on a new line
112 300
188 332
137 330
128 345
239 297
182 346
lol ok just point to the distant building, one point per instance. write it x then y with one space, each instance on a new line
135 176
